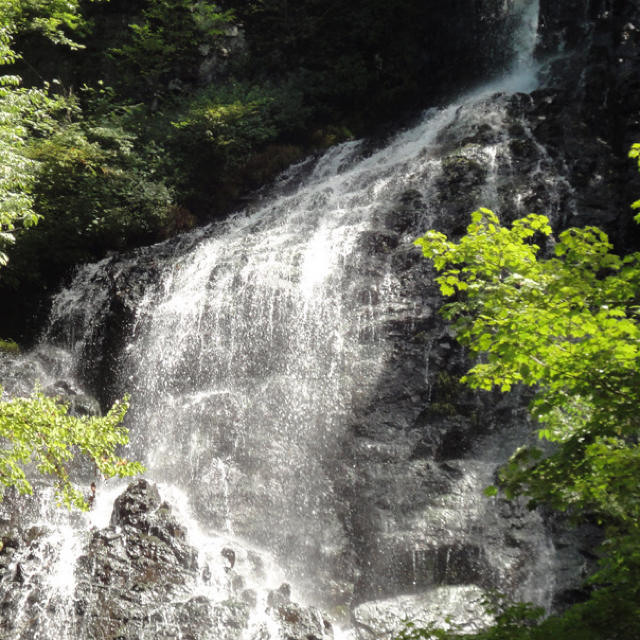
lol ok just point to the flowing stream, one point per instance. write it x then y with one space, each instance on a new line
252 351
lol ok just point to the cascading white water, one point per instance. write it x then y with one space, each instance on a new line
245 367
525 40
267 333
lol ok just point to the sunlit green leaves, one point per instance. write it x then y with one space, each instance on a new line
565 324
55 19
634 152
39 430
17 170
23 111
167 36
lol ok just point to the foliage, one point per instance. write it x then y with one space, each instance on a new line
17 171
222 130
634 152
9 346
55 19
167 38
23 111
40 141
98 176
566 325
236 119
39 430
602 618
193 149
96 186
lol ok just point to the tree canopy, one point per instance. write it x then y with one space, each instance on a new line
565 322
39 431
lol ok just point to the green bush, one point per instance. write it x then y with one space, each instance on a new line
568 326
217 139
40 430
97 188
97 179
9 346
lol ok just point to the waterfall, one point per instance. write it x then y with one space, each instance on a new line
260 355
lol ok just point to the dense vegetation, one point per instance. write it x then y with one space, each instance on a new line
567 324
125 122
39 430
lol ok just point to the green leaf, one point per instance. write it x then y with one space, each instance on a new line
490 491
39 430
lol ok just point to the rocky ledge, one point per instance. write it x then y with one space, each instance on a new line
139 579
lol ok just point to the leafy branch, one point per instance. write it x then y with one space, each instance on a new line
39 430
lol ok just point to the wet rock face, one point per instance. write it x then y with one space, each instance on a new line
135 578
138 579
408 474
420 452
591 117
385 619
113 291
303 623
116 289
47 368
562 151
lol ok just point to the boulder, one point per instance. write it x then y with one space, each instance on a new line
136 577
384 619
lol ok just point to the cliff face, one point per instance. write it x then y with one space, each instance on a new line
290 371
137 577
594 105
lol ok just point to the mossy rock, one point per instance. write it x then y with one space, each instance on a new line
9 346
468 169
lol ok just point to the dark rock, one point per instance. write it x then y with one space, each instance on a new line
595 117
385 619
229 555
114 292
136 506
79 403
135 580
303 623
18 575
406 212
230 619
139 564
279 596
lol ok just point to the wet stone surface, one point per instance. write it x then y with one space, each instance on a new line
138 579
